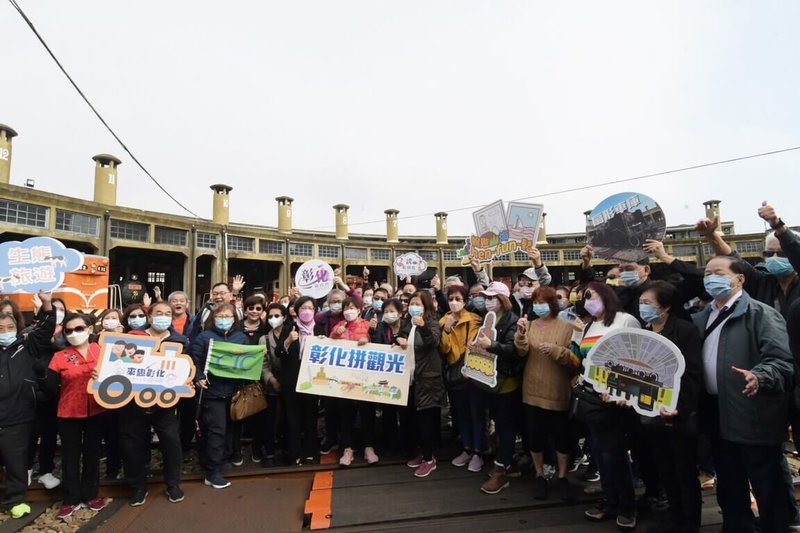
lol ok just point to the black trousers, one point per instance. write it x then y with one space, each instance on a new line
213 428
44 435
113 447
187 411
14 444
428 426
301 419
135 423
80 458
348 410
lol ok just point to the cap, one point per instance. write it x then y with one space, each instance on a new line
495 288
530 273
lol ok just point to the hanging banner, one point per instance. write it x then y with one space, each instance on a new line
618 227
342 369
314 278
38 263
479 364
500 231
638 366
409 264
134 367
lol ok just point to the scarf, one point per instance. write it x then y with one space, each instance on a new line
304 330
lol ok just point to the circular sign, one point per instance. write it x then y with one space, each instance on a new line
409 264
618 227
314 278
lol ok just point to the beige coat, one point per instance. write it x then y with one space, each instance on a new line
546 379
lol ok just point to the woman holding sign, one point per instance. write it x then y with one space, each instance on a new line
673 436
217 392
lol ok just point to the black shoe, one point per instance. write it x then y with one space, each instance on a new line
566 492
237 459
540 488
591 476
174 494
139 498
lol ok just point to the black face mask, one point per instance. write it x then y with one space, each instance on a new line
580 308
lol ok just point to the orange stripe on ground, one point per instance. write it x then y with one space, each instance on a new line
318 504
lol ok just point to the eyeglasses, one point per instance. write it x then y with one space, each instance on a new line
254 308
769 253
220 293
276 316
76 329
136 316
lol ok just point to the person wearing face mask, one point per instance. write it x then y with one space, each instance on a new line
468 403
325 320
217 392
221 293
527 282
612 276
135 422
366 297
476 302
109 321
301 409
673 436
374 311
134 318
747 374
607 422
22 367
386 332
80 418
354 328
280 326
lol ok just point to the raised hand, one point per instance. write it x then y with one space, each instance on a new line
522 325
373 323
587 252
237 284
146 300
706 226
652 246
365 273
767 212
45 301
476 265
535 256
436 283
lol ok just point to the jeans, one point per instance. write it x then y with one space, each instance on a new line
469 404
80 458
608 435
14 444
135 423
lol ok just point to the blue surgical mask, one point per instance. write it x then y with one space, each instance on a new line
629 278
779 266
479 303
325 309
136 322
541 309
161 323
717 286
562 303
377 305
415 310
223 324
649 313
8 338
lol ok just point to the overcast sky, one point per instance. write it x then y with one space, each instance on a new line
420 106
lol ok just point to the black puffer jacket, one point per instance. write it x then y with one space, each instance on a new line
428 383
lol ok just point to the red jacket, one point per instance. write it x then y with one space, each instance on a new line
75 372
356 330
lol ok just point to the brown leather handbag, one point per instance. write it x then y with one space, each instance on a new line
247 401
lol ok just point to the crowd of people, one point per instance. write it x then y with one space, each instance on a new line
737 326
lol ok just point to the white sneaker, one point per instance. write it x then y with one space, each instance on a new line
49 481
476 463
462 459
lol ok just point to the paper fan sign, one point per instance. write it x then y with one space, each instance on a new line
638 366
409 264
618 227
314 278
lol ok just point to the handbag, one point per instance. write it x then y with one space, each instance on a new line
587 405
247 401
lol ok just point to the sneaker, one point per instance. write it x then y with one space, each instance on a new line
370 455
97 504
425 468
566 492
462 459
308 460
416 462
592 476
66 511
269 462
138 498
540 488
175 494
599 513
476 463
20 510
577 463
237 459
49 481
327 448
217 481
626 523
347 457
497 481
256 458
707 481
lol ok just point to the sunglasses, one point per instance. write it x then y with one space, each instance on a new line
275 316
587 295
136 316
768 253
76 329
254 308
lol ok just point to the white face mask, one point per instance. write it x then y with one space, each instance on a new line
275 321
110 324
390 318
351 314
59 315
456 305
76 339
367 301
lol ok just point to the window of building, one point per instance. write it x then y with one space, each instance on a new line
684 250
429 255
301 249
76 222
450 255
327 251
241 244
572 255
355 253
206 240
131 231
749 246
520 256
24 214
708 251
380 254
549 256
156 277
171 236
270 247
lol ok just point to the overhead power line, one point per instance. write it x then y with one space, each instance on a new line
94 110
595 185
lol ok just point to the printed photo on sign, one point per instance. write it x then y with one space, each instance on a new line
479 364
638 366
409 264
498 235
132 368
524 221
343 369
618 227
38 263
314 278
